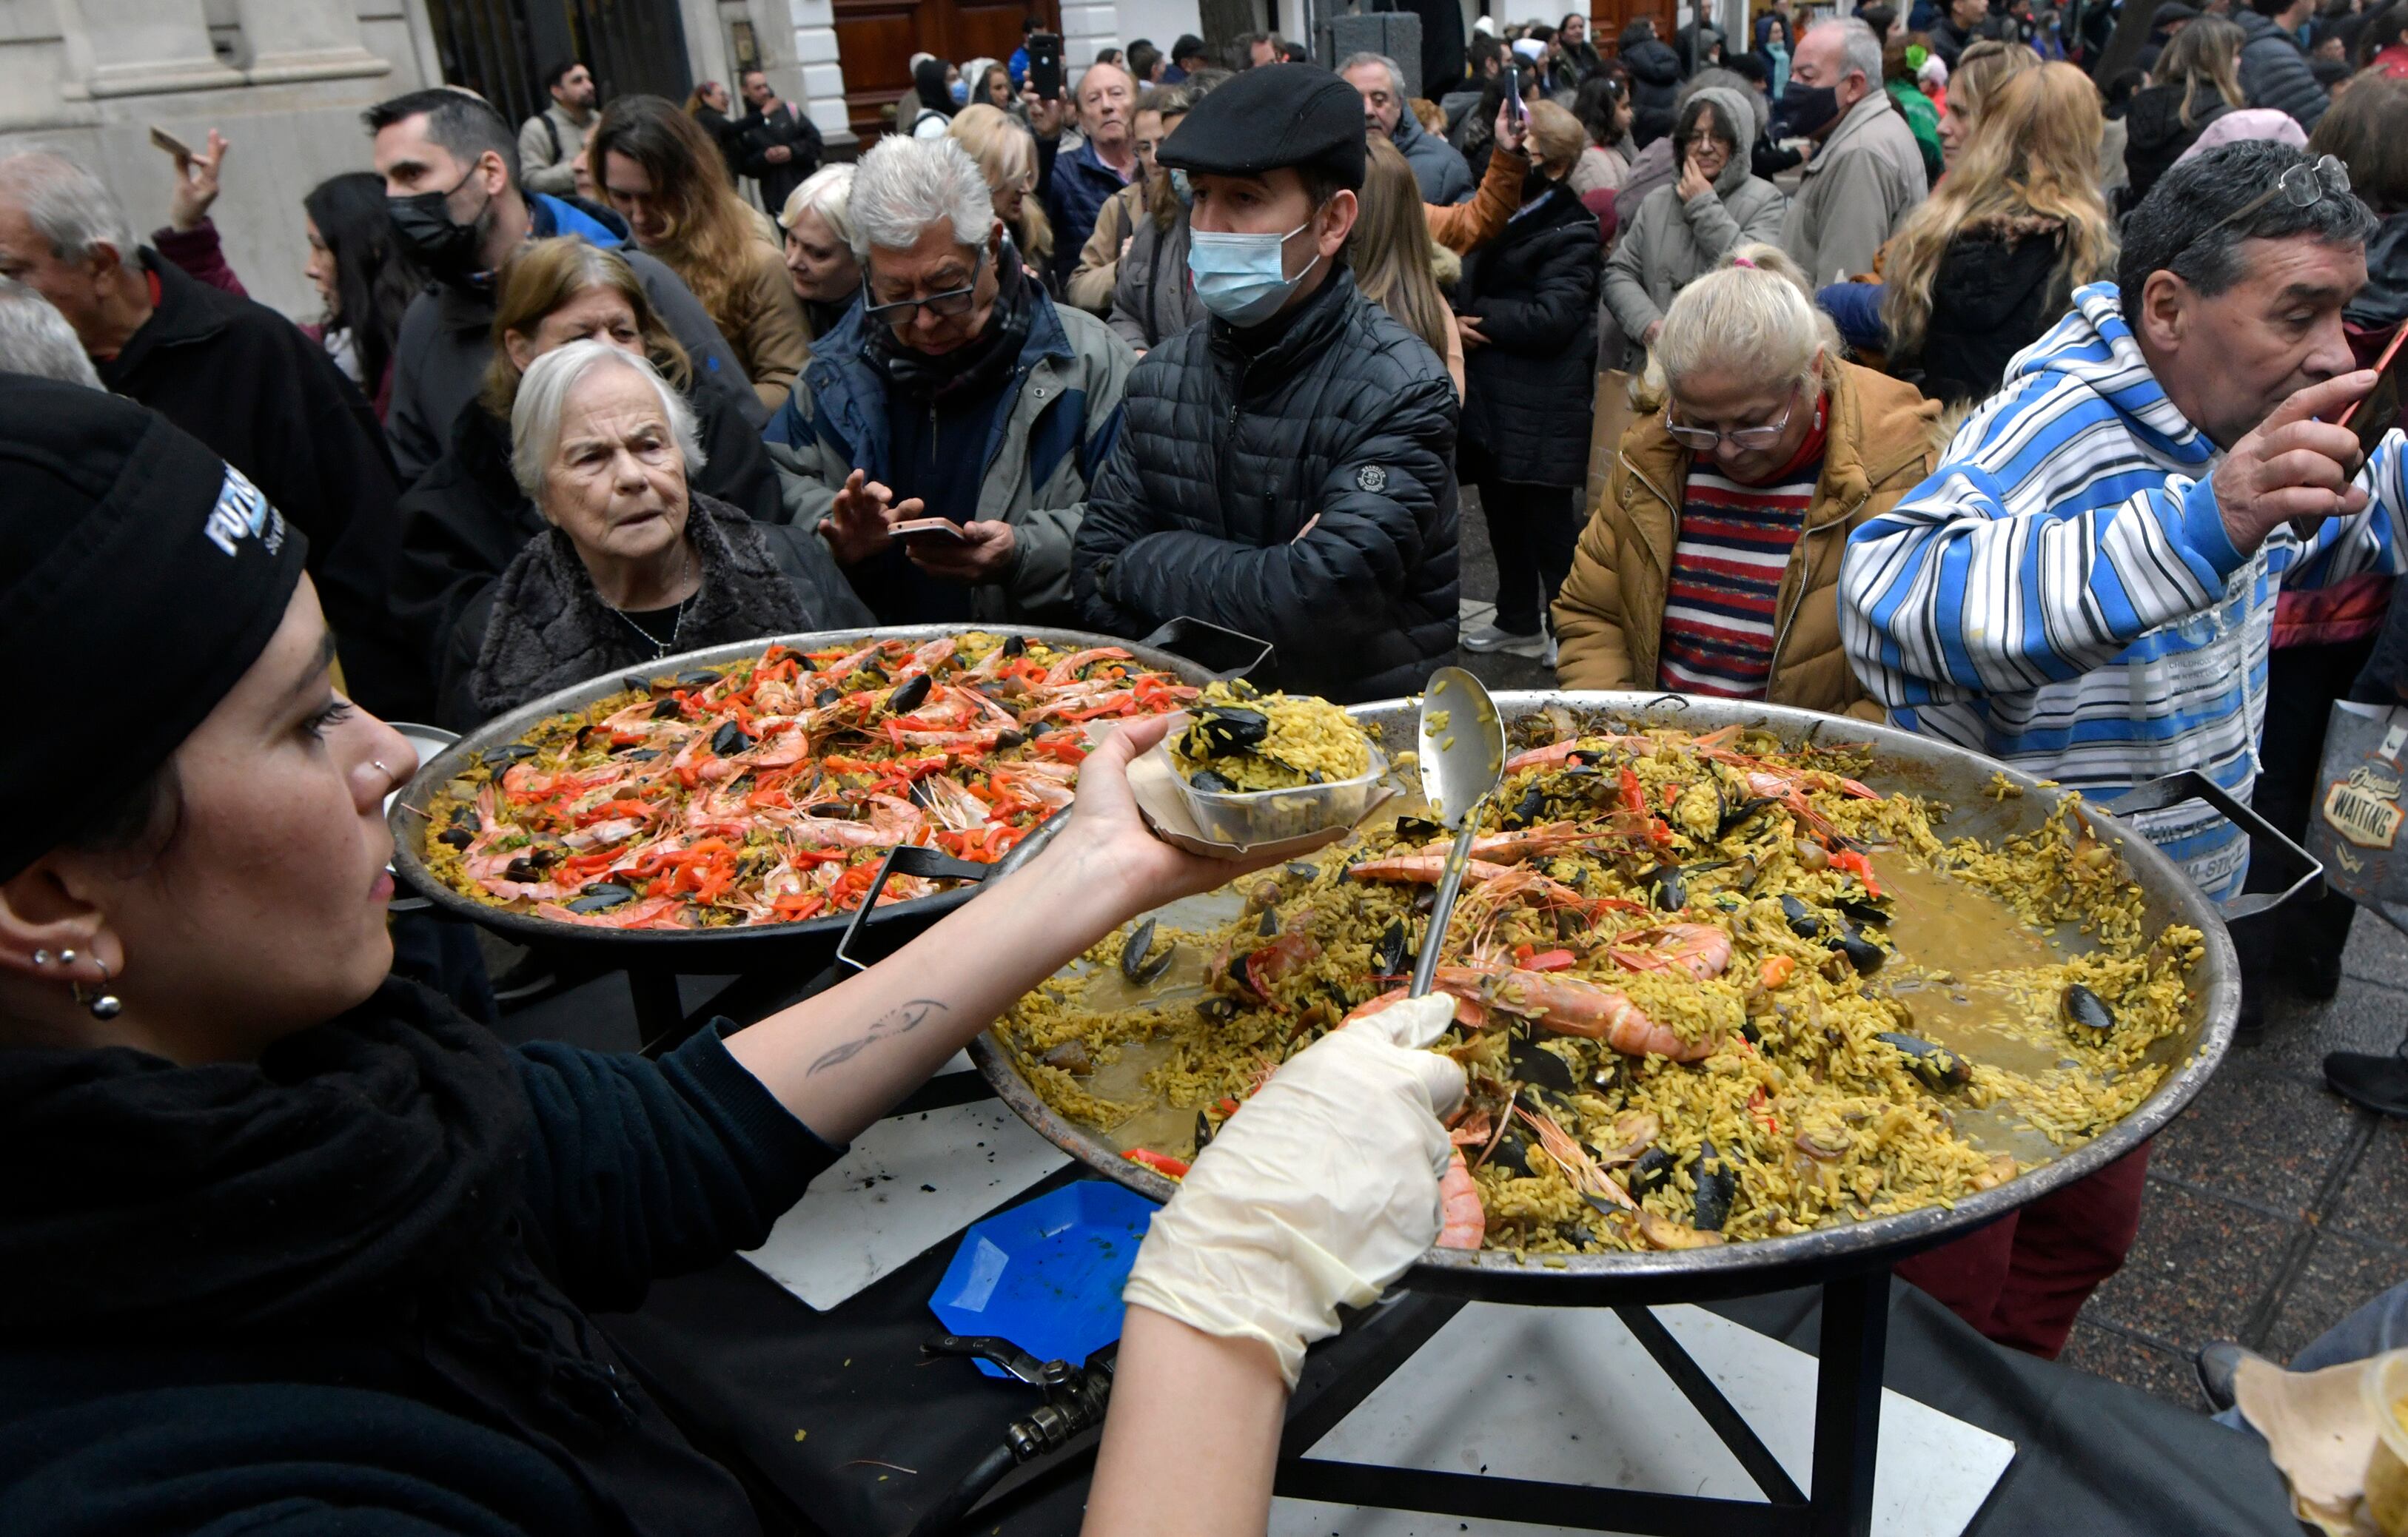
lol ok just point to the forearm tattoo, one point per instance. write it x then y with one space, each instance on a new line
900 1021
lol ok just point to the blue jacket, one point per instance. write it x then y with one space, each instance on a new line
1076 191
1445 176
2061 593
1061 415
2274 71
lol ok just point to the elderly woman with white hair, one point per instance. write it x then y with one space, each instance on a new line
636 565
1710 564
819 247
957 396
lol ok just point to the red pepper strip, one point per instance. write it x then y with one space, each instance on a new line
1858 866
1062 747
1175 1168
1632 795
1228 1107
798 904
609 809
1548 961
1756 1102
1523 952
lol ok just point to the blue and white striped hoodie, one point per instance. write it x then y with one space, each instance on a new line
2061 593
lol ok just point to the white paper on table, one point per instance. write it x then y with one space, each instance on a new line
905 1186
1567 1395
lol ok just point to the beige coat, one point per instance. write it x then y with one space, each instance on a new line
1881 441
763 320
1857 188
1090 287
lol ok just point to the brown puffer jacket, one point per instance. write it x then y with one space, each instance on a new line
1882 442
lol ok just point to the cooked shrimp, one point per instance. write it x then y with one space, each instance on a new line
1701 950
1462 1221
1569 1007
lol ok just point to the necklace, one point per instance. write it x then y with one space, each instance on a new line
676 624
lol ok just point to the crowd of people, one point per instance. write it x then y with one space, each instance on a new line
1891 366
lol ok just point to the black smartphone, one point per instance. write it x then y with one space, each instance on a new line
2379 411
1515 108
1045 64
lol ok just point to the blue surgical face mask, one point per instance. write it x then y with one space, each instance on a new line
961 91
1180 189
1241 277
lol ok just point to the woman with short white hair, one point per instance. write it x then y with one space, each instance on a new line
819 262
1710 564
636 566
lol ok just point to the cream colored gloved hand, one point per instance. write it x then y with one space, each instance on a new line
1318 1192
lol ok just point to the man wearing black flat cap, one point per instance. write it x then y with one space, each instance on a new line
1285 467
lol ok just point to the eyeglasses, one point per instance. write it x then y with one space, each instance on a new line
2303 187
944 306
1745 439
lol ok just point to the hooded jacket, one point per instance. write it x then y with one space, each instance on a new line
1673 242
446 338
1528 393
1297 483
1996 291
1051 433
1152 297
2274 71
1445 176
1880 443
2061 593
1855 192
1655 72
2154 135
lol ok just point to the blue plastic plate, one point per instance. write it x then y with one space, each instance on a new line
1047 1274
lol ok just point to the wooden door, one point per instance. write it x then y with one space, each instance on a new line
876 39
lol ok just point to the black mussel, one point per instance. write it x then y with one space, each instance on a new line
1269 925
1865 907
1666 889
1577 1233
910 696
1717 1188
918 793
1220 1011
1314 777
523 869
871 677
601 897
729 740
1135 948
1653 1168
1218 784
1036 729
667 709
1514 1153
2083 1007
827 697
1749 1033
841 811
1733 816
1802 919
1218 729
464 817
641 755
1299 869
1014 646
1861 953
455 837
1530 808
1417 830
1011 737
1388 958
507 753
701 678
1539 1068
1203 1130
1240 688
1935 1065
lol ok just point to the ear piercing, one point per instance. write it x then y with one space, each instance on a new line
42 958
104 1004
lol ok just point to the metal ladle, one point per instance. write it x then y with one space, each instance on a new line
1462 761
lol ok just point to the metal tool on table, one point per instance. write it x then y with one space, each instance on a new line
1462 761
1076 1398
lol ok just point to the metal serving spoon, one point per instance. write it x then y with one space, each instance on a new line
1462 761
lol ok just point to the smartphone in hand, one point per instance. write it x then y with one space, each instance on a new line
161 138
1515 106
941 528
1045 64
2378 411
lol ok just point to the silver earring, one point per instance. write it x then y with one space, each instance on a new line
104 1004
42 958
67 958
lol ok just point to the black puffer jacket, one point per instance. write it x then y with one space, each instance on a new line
1655 74
466 520
2274 71
1526 395
1990 299
2155 135
1295 481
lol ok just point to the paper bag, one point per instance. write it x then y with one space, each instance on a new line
2357 826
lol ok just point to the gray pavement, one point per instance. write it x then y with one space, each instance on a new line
2274 1206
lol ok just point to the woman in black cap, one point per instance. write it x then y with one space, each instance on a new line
290 1245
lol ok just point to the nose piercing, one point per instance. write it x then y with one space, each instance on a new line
377 765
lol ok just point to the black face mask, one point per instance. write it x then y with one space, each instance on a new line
422 224
1535 183
1805 109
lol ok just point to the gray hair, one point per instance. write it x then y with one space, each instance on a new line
1396 71
2181 227
543 399
1753 316
1860 48
37 339
827 192
906 184
66 205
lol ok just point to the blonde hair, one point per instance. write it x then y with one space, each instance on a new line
1985 64
540 277
2205 52
1753 316
1006 153
1390 247
2030 169
1555 137
827 192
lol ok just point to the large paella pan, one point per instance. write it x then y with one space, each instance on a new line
1721 814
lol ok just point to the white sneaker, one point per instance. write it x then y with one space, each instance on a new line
1490 638
1547 658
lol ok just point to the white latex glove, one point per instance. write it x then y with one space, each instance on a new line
1319 1192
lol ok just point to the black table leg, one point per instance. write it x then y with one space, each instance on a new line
1847 1404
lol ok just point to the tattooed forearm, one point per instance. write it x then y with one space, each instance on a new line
901 1020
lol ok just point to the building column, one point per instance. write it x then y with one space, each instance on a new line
823 71
305 40
1087 29
127 48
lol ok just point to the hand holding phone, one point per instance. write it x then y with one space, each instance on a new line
1513 102
2378 411
938 528
1045 64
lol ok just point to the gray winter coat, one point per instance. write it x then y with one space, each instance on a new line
544 627
1445 176
1856 190
1153 301
1673 243
2274 71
